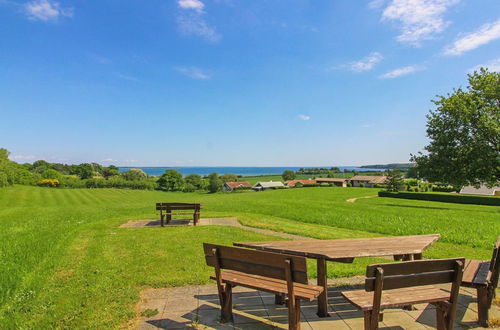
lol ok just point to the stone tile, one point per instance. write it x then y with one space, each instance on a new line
329 323
401 319
154 304
182 303
253 326
154 293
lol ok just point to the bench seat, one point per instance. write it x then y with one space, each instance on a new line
268 284
397 297
476 273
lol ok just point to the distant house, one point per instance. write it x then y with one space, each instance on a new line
340 182
292 183
230 186
368 181
482 190
267 185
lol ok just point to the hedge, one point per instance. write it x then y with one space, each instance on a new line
461 199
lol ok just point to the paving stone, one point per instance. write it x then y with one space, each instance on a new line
401 319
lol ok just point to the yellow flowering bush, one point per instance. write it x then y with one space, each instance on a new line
48 183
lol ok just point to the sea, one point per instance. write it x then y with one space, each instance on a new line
243 171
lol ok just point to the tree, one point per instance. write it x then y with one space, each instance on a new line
288 175
171 180
464 133
110 171
395 180
136 174
229 178
194 180
51 174
214 183
85 171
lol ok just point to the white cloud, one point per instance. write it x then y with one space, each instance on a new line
401 71
492 66
303 117
420 19
375 4
485 34
191 4
109 160
367 63
46 10
193 72
21 157
191 20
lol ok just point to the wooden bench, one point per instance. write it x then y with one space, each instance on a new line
405 283
167 208
483 276
265 271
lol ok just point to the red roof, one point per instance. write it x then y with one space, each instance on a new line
233 185
292 183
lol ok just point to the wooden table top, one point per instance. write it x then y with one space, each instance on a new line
348 248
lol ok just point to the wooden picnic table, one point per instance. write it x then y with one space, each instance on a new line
345 250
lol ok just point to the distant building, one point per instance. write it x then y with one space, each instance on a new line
267 185
230 186
368 181
340 182
292 183
482 190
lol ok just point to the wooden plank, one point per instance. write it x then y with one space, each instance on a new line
256 262
470 270
307 292
413 267
399 297
348 248
404 281
482 274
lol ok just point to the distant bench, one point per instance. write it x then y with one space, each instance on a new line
166 211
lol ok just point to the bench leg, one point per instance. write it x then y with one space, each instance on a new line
162 220
371 320
441 317
226 303
482 306
294 314
279 299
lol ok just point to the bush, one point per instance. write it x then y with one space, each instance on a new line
443 187
171 180
460 199
188 187
134 174
4 181
48 183
298 185
117 182
72 182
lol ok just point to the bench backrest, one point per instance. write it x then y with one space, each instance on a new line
178 206
495 264
255 262
413 273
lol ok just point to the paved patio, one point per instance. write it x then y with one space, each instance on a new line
198 307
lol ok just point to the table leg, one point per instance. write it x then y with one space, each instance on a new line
323 297
410 257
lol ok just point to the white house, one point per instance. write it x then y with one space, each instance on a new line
368 181
482 190
268 185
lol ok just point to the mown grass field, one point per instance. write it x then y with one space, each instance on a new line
64 262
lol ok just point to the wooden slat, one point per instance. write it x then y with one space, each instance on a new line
399 297
348 248
262 283
404 281
256 262
470 270
413 267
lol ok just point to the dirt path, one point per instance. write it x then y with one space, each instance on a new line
233 222
353 200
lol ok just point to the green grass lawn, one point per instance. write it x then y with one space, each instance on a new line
64 262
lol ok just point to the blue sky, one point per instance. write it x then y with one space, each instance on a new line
233 82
